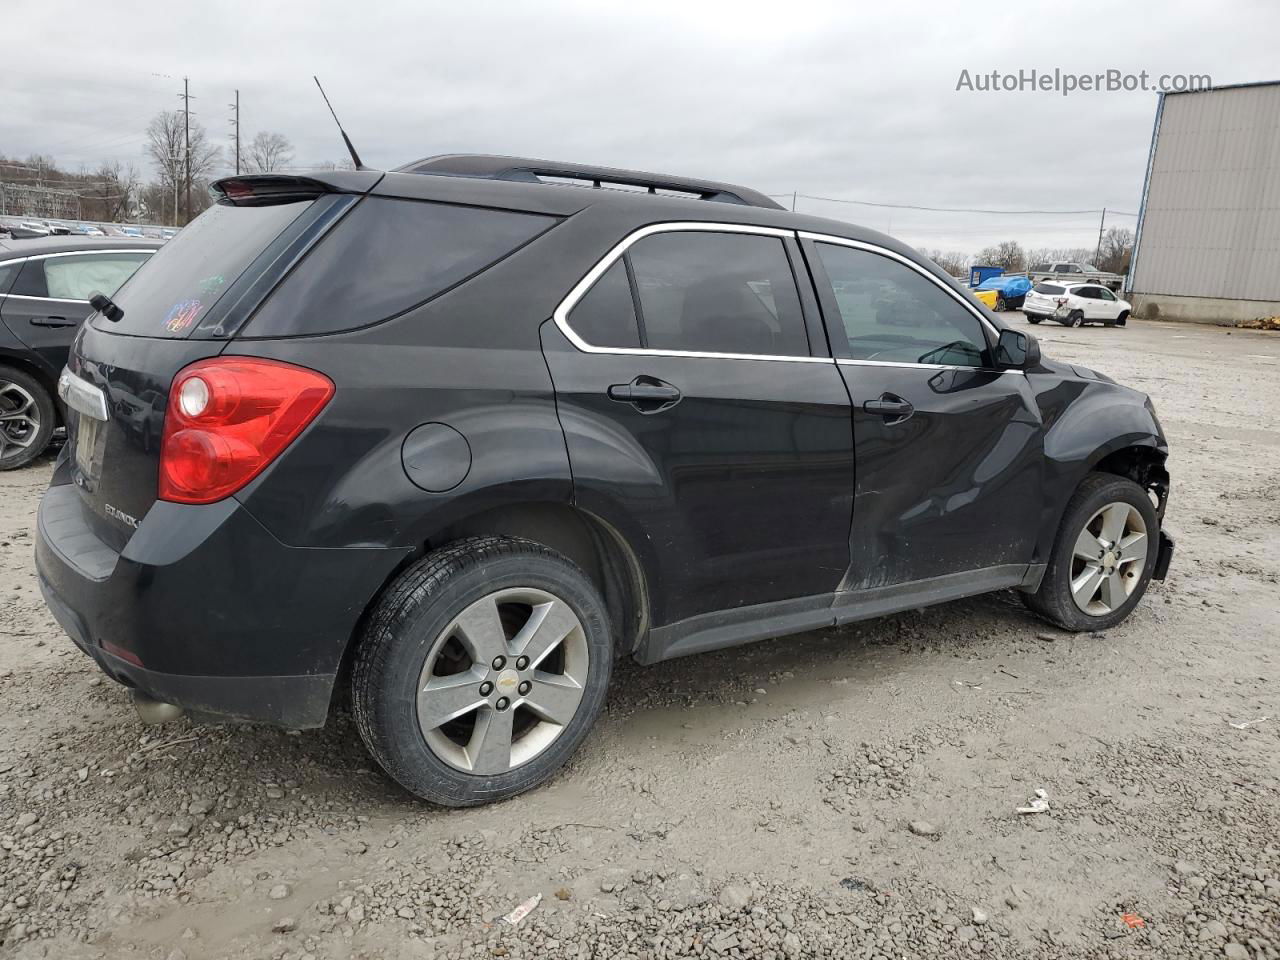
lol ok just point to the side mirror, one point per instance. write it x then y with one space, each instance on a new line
1017 350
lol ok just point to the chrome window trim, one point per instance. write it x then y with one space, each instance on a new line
561 314
906 261
65 253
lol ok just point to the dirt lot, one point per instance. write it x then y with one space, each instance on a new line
844 793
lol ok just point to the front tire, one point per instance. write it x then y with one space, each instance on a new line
481 670
1103 557
1032 319
27 418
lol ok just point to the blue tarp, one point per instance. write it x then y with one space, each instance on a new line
1009 286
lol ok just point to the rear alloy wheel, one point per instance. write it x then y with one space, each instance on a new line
1103 558
1075 318
27 418
482 668
1001 304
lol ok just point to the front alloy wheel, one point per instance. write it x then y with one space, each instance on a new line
1110 555
1103 557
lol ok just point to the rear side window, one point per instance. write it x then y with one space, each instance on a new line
80 276
387 256
718 293
1048 288
185 279
606 316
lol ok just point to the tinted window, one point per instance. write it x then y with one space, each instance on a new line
7 272
186 277
387 256
1040 268
1048 288
30 281
1105 294
718 293
81 276
893 314
606 316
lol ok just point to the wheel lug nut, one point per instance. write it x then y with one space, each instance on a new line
525 687
486 688
522 663
499 662
502 703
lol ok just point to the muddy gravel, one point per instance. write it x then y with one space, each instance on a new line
846 793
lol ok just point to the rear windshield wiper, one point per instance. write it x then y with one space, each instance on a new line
106 306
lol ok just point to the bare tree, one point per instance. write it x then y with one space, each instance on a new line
954 262
1007 254
167 147
114 192
269 151
1117 250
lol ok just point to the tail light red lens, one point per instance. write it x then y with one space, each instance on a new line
228 418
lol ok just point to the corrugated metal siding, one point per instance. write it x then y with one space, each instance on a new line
1211 225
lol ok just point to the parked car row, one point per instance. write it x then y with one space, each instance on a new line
31 229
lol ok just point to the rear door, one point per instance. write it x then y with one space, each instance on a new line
50 297
696 413
948 447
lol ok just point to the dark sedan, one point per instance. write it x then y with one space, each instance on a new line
45 285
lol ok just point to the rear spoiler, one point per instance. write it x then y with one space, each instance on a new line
261 189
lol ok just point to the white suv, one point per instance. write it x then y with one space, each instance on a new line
1075 304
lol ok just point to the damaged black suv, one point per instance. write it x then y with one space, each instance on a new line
449 439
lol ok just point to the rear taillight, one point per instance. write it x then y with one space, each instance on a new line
228 418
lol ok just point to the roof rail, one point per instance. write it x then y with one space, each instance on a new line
527 170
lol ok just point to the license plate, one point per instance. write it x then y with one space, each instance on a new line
88 441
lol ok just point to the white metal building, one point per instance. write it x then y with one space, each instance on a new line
1208 243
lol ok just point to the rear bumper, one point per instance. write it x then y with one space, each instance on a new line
205 609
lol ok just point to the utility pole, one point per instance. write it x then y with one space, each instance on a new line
1097 254
235 122
186 123
793 201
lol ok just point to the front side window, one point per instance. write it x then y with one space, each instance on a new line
81 276
893 314
712 292
1105 294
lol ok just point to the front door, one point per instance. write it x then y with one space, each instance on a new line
700 422
948 447
50 297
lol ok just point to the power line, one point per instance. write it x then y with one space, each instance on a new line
913 206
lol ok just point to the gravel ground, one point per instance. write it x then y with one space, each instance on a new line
847 793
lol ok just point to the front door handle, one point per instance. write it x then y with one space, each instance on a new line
646 394
892 407
53 322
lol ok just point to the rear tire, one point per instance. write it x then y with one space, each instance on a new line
429 629
1075 318
1001 304
27 418
1055 600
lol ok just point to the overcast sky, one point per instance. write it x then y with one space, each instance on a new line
842 99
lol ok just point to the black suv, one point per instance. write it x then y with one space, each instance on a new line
452 438
45 286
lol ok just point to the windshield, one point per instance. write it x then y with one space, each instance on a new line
188 275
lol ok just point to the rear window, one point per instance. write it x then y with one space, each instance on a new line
388 256
173 295
1049 288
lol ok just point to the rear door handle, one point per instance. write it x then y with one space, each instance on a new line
646 394
890 406
53 322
